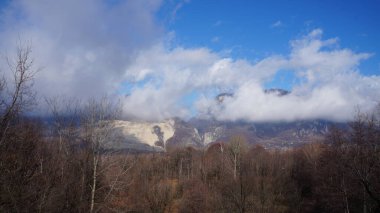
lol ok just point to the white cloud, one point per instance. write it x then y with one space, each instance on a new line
90 48
83 46
277 24
331 86
178 7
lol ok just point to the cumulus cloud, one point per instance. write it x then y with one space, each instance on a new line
82 46
90 48
330 84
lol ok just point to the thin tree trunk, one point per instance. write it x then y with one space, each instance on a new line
180 169
235 166
93 188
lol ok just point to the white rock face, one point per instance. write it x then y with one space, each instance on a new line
210 137
144 131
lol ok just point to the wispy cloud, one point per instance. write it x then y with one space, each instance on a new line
177 7
277 24
217 23
215 39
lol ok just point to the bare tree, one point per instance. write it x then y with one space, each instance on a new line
16 95
237 146
349 169
22 153
98 124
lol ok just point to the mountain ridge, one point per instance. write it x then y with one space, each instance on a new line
200 133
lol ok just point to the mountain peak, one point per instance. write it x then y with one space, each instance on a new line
277 91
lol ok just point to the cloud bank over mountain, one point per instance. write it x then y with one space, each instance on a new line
122 48
329 84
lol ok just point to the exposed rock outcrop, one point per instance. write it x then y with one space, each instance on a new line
144 136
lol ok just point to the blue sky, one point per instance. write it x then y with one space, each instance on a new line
171 58
256 29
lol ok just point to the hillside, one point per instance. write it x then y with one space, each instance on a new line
198 133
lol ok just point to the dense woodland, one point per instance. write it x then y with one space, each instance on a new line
60 165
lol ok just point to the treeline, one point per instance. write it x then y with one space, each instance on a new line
339 175
40 174
62 166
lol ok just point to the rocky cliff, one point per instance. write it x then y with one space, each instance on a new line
198 133
142 136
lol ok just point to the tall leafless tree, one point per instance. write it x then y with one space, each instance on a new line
16 93
98 124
